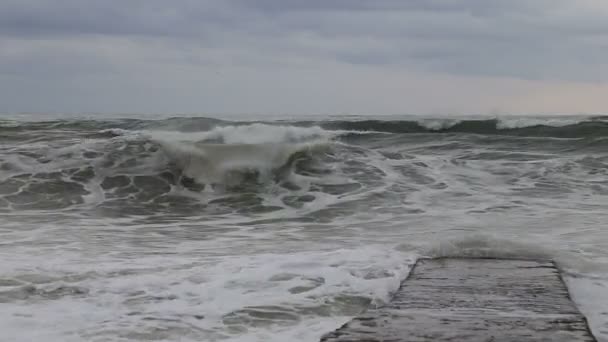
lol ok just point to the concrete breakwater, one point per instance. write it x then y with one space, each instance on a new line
486 300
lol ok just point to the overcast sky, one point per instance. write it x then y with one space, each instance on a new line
304 56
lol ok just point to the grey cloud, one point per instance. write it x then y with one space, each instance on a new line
189 17
111 17
522 39
480 7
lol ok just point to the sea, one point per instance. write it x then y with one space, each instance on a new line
260 228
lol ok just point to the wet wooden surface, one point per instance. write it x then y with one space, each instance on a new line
473 300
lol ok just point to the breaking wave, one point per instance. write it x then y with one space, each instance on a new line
263 227
140 166
531 127
230 163
53 165
259 132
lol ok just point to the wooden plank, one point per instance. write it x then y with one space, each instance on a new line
473 300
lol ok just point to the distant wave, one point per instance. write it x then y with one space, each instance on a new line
215 130
438 124
60 164
541 127
256 133
512 123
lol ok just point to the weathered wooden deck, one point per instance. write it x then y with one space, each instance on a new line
473 300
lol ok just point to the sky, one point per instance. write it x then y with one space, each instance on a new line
428 57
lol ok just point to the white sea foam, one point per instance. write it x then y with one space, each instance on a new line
213 163
438 124
153 296
256 133
213 156
515 122
294 273
484 246
591 296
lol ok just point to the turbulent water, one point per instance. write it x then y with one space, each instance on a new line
198 229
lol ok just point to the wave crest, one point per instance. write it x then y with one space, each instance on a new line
514 123
229 163
529 127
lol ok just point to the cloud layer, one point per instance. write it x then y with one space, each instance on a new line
291 56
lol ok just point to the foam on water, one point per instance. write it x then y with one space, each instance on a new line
438 124
519 122
294 295
213 163
198 229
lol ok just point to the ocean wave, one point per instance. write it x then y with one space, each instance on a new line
202 156
120 162
483 246
529 127
215 130
438 124
230 164
144 166
514 123
257 133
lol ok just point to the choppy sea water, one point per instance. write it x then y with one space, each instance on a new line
199 229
